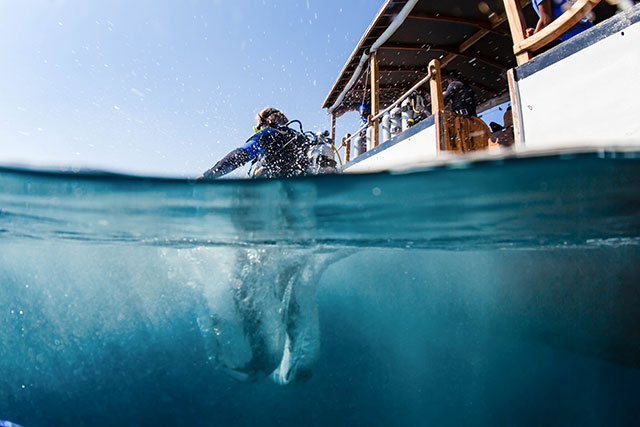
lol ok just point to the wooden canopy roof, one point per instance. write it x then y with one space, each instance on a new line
470 36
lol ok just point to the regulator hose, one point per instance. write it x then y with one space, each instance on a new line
338 154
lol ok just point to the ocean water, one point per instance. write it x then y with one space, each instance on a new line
491 293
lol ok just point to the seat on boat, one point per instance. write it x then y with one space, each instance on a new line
464 133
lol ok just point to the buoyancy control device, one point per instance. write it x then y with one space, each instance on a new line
301 153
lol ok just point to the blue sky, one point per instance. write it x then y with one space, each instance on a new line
160 87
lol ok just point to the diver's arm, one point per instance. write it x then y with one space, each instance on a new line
238 157
230 162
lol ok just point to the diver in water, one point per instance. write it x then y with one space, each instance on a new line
281 151
267 324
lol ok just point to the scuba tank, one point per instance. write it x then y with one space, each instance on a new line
321 155
286 153
297 153
359 144
369 139
407 114
395 122
385 126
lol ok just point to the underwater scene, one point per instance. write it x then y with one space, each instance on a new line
502 292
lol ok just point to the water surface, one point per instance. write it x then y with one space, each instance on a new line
485 293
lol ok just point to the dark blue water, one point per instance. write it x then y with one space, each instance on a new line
490 293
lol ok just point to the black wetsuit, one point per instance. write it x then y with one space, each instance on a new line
463 98
283 150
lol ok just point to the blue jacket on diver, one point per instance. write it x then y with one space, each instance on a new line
282 151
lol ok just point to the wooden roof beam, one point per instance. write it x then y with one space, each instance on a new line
453 50
464 46
487 25
495 19
476 37
402 69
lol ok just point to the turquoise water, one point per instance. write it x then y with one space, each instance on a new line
502 292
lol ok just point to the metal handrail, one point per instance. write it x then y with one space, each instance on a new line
392 106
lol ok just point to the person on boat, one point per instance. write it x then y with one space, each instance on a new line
548 10
461 95
365 111
503 135
360 143
281 150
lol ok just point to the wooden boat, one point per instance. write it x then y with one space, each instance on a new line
580 95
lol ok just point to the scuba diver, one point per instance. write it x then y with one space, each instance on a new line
280 150
265 321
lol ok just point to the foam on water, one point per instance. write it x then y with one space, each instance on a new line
502 292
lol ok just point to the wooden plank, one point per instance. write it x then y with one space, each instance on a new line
464 134
435 84
375 97
476 37
401 69
449 49
421 71
480 134
347 145
455 133
518 28
333 128
437 100
556 28
516 110
487 25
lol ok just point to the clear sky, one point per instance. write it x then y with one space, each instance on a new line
164 87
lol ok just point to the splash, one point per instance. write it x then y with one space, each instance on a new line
258 315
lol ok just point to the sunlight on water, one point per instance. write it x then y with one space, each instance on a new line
491 294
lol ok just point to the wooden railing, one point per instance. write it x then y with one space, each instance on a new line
463 134
523 46
454 132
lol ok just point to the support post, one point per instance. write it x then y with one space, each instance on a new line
518 28
347 146
375 98
333 128
437 101
516 111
